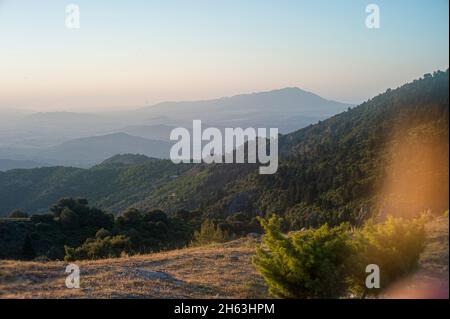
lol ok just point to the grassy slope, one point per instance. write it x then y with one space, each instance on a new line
215 271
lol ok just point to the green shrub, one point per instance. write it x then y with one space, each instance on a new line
102 233
331 262
394 245
308 264
210 233
69 219
74 204
73 223
108 247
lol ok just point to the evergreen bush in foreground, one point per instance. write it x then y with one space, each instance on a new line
330 262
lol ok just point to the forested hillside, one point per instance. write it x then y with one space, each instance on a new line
114 185
367 160
337 169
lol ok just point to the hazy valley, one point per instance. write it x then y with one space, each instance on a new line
84 139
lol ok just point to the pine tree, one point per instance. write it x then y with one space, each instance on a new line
308 264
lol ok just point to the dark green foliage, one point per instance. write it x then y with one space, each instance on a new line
12 237
241 224
18 214
76 231
107 247
28 252
71 222
102 233
210 233
308 264
339 164
394 245
44 218
68 203
74 213
152 230
330 262
69 219
110 186
133 232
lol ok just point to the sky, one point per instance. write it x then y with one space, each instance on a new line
129 53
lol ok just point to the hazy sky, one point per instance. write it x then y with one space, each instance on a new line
132 53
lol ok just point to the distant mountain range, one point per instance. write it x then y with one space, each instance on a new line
7 164
153 132
288 109
92 150
331 171
89 151
86 139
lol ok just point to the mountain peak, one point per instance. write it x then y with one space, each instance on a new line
287 108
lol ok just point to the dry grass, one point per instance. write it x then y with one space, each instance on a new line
215 271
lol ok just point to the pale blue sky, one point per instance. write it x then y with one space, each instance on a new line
131 53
